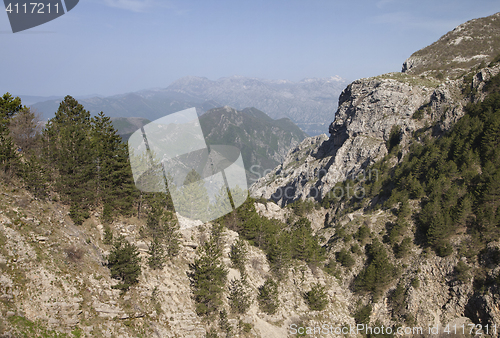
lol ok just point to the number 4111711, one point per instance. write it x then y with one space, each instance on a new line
32 7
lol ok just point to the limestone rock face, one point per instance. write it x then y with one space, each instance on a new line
368 111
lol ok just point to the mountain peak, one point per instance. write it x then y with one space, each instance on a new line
468 45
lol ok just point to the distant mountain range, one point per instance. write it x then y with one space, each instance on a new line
263 141
310 103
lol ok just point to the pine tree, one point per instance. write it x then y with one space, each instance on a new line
162 225
239 295
238 255
224 324
304 244
268 296
113 181
171 233
69 151
9 106
279 253
208 278
124 263
316 299
156 259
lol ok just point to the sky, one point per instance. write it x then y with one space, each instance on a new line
109 47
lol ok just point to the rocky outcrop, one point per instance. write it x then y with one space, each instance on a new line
469 45
368 111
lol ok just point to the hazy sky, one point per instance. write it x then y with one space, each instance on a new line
115 46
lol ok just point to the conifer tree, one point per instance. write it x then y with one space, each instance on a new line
268 296
123 262
69 151
279 253
156 253
9 106
239 295
208 278
304 244
238 255
162 225
113 181
316 299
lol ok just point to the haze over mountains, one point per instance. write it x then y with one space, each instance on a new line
310 103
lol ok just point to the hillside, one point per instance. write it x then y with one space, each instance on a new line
262 141
390 227
469 45
126 126
408 185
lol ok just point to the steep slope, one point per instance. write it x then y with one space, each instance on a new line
408 186
263 141
470 44
368 111
55 282
126 126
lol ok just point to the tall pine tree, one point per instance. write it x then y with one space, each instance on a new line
113 183
69 150
208 278
9 106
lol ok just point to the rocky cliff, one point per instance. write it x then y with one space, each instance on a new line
369 109
376 122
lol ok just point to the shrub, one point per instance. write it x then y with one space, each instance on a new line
345 258
462 272
362 315
74 254
397 300
123 261
268 296
316 299
108 235
239 297
331 268
404 248
363 233
394 138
